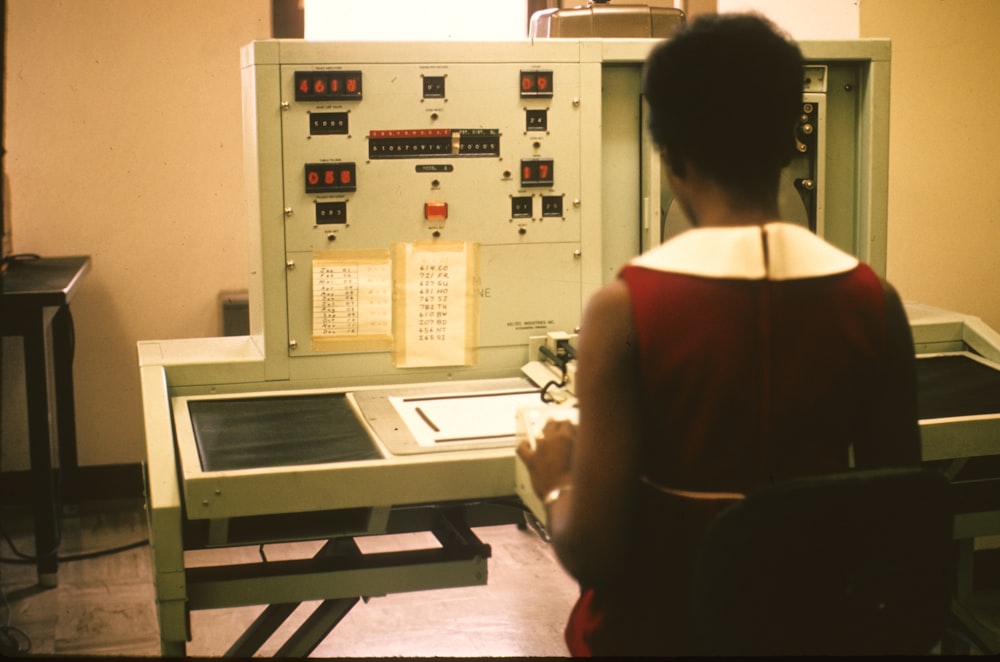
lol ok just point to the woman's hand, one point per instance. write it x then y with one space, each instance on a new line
549 462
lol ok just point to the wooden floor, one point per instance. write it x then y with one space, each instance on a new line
105 606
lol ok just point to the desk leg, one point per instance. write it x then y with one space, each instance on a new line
40 434
62 357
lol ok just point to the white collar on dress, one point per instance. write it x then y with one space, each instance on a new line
738 252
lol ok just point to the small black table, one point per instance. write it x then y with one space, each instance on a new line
34 304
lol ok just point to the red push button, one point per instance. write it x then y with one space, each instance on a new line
435 211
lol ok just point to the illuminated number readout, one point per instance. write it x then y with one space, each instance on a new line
536 83
326 85
331 177
537 172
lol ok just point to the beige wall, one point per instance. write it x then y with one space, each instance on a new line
124 143
944 146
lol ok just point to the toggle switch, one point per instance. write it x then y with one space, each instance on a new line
435 211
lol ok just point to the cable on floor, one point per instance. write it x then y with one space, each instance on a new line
27 559
13 640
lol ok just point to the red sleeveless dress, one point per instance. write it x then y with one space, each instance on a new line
763 355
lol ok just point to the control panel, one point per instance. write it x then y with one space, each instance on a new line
394 167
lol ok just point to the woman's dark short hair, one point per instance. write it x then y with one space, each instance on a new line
725 94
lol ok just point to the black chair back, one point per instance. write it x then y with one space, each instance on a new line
854 563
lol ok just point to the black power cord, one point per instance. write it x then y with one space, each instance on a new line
27 559
560 358
13 640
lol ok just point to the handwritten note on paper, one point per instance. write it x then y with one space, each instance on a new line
437 316
352 300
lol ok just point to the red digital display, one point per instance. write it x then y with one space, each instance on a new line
327 85
537 172
536 83
331 177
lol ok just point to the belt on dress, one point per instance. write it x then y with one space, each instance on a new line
690 494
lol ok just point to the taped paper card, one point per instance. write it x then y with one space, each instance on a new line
436 317
352 300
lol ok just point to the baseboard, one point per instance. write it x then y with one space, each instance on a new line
89 483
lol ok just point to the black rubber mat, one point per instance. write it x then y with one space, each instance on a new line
956 386
278 431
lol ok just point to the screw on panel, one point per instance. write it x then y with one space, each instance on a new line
293 344
285 105
577 254
288 211
290 265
